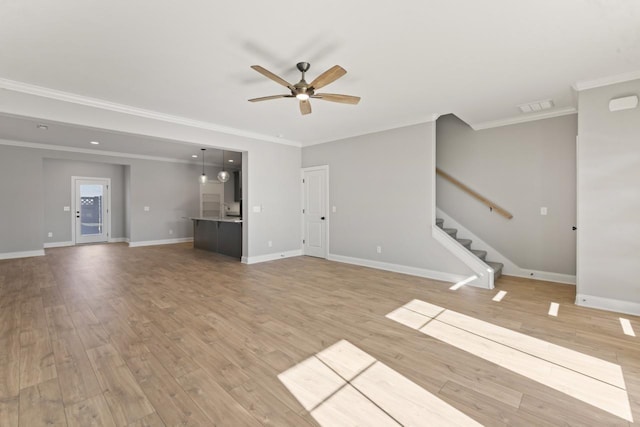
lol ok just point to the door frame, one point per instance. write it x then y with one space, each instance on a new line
325 168
107 218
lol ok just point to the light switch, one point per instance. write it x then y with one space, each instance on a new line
543 211
146 208
257 209
333 209
66 208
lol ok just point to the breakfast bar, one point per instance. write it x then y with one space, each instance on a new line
218 234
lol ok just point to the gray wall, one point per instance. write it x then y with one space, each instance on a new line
609 197
21 200
171 191
272 170
57 175
522 168
381 185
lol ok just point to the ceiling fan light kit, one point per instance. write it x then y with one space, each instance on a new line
304 91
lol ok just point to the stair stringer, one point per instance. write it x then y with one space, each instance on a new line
484 273
509 267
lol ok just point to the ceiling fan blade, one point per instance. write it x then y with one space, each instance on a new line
305 107
266 98
331 75
272 76
334 97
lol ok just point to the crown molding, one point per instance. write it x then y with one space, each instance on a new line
52 147
431 118
73 98
606 81
523 119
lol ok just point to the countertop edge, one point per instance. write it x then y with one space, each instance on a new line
216 219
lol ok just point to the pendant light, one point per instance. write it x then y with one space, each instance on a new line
203 177
223 175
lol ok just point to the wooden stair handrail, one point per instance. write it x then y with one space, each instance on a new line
492 206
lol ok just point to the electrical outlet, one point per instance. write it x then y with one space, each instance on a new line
170 231
270 243
543 211
146 208
379 249
50 234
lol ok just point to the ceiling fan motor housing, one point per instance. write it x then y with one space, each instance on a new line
303 67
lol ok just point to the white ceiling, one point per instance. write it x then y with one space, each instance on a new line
78 138
408 60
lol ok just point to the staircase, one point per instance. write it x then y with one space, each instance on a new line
497 266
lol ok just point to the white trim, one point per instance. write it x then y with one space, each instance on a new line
25 254
483 272
73 98
509 267
75 208
271 257
618 306
430 118
397 268
118 240
48 245
327 209
524 118
606 81
432 168
52 147
547 276
160 242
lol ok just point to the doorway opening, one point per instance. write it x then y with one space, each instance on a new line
91 221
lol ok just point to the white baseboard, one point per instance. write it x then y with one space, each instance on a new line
509 267
48 245
25 254
271 257
119 240
608 304
548 276
397 268
160 242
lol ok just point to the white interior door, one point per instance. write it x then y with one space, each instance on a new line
91 210
314 212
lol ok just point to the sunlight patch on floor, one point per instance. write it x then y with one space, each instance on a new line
626 327
499 296
344 386
587 378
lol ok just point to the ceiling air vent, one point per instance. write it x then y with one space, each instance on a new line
533 107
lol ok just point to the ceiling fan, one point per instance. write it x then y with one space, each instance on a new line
304 91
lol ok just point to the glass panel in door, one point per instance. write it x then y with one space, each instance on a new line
91 211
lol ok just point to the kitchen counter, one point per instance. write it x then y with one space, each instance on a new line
217 219
218 234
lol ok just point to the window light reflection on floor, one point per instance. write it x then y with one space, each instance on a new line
586 378
343 385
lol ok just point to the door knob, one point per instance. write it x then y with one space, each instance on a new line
322 218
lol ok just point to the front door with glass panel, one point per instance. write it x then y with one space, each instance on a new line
91 210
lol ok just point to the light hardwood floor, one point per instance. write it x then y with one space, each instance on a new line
117 336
